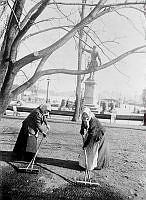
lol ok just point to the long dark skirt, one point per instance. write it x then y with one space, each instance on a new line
103 154
97 155
25 146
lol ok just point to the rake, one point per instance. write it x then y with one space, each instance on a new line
87 178
30 168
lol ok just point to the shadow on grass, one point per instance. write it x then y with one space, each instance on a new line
87 193
69 164
28 186
8 157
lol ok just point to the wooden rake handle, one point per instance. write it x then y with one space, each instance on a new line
33 159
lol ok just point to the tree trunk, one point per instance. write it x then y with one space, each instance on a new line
3 71
144 119
5 90
78 100
78 88
4 101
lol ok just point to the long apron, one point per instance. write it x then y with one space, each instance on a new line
97 155
88 157
31 145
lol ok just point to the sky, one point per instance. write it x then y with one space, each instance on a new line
126 78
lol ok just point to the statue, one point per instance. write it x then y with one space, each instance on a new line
93 64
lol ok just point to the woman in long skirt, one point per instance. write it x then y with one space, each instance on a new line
95 145
26 143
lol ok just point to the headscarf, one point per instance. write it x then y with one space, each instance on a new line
87 111
45 108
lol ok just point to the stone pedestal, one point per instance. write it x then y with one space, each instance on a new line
89 94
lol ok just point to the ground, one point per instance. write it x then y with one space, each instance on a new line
58 165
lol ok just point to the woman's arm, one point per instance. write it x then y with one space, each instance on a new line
95 132
38 122
83 128
45 122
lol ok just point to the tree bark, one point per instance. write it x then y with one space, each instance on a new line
4 101
78 88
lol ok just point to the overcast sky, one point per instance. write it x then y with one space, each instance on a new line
127 77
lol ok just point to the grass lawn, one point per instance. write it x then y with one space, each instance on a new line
58 165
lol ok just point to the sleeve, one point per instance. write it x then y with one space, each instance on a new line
38 120
98 132
91 133
82 129
95 131
44 120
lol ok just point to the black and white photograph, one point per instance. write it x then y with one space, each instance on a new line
72 99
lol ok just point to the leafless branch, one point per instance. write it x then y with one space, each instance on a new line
4 16
29 23
107 50
41 64
103 43
48 20
39 74
96 12
95 4
99 45
45 30
58 8
29 14
14 15
128 19
24 74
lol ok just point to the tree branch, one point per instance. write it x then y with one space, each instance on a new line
76 72
14 15
95 4
10 35
12 27
49 50
95 13
44 30
41 64
29 14
39 74
27 26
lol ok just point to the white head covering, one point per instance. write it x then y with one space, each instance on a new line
45 107
88 112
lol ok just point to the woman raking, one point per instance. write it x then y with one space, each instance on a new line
95 145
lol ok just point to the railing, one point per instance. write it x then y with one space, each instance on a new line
71 113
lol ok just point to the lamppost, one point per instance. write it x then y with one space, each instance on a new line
47 97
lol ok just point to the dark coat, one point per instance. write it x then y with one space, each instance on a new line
27 138
35 120
96 132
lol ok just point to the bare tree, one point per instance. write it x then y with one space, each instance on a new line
17 28
78 87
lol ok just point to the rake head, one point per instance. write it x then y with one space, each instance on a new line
87 183
28 170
